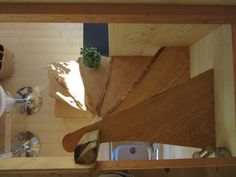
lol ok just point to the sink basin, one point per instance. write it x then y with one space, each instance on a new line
132 151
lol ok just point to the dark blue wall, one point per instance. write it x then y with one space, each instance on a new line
96 35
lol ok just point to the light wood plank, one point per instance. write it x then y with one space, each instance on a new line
42 163
170 69
156 164
66 164
109 13
63 110
183 116
210 2
2 134
95 83
31 61
145 39
125 75
234 60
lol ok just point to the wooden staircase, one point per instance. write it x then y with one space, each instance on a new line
141 98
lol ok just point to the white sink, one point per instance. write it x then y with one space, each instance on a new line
132 151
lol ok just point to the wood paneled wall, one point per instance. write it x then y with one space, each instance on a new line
215 51
34 47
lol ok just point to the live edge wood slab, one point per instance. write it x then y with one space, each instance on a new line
183 115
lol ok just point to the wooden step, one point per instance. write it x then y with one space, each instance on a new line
126 73
183 115
95 83
74 83
169 70
64 110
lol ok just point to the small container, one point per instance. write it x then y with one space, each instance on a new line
6 63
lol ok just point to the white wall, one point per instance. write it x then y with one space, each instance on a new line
215 51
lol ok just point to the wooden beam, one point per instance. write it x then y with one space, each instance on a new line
234 61
117 13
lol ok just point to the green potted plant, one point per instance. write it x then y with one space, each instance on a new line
91 57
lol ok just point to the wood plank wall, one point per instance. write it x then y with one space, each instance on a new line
215 51
34 47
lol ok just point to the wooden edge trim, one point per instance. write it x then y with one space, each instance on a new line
234 61
66 164
119 13
159 164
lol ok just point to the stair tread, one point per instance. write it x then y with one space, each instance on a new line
79 85
126 71
170 69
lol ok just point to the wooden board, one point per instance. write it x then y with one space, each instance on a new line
234 61
145 39
95 83
109 13
64 165
48 43
66 73
215 51
55 87
173 163
63 110
2 134
90 85
170 69
126 72
183 115
212 2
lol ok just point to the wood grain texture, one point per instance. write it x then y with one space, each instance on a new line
170 69
2 134
95 82
35 46
156 164
183 115
66 165
145 39
126 72
55 87
89 87
63 110
116 13
234 60
66 73
195 2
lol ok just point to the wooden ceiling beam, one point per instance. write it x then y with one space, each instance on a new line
117 13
